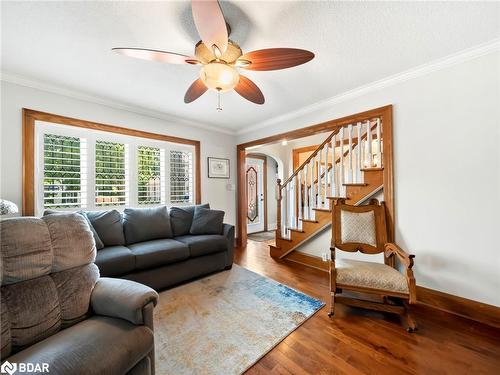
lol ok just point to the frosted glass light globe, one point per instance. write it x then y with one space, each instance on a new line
219 76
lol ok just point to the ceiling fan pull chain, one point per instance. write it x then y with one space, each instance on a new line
219 106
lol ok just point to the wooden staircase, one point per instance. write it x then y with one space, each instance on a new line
343 166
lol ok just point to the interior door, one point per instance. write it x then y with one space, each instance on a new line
255 194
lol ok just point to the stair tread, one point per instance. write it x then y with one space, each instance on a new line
322 209
346 198
355 184
372 169
284 239
309 221
296 230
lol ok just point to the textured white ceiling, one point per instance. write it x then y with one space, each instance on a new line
68 44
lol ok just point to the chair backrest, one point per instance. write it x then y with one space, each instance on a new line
47 275
359 228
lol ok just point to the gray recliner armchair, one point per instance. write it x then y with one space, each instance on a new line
57 312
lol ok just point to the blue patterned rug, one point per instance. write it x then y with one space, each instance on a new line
226 322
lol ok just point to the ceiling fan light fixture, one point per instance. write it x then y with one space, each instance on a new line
219 76
242 63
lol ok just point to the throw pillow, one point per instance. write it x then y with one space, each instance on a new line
207 221
145 224
108 225
181 219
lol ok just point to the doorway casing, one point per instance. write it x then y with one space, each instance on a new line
385 113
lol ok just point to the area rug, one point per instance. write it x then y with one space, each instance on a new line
224 323
262 236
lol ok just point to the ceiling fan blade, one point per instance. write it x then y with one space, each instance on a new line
249 90
194 91
210 24
274 58
155 55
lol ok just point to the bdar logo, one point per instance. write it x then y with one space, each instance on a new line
8 368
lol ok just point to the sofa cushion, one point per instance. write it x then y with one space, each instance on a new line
115 261
156 253
32 310
108 225
204 244
98 243
145 224
181 219
91 347
207 221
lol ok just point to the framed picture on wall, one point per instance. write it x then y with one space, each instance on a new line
218 168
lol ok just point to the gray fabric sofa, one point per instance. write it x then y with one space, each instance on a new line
154 246
55 309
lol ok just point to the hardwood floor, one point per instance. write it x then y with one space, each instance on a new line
356 341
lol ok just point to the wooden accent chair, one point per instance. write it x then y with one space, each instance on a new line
364 229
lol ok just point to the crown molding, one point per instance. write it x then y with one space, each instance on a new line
59 90
450 60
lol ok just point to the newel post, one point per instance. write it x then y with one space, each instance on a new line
278 211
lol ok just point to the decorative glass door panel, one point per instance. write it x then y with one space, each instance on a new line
255 195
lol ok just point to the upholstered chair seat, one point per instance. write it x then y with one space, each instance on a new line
372 275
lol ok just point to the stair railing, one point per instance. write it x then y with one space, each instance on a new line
316 180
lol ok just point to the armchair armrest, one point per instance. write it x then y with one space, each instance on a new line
407 260
228 232
124 299
404 257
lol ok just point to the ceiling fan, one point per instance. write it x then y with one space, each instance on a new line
220 58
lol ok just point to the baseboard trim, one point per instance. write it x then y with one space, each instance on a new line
466 308
307 260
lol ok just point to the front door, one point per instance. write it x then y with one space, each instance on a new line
255 194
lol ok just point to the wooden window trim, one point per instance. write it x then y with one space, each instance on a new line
328 126
30 116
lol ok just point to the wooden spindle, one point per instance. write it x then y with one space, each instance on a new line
379 144
294 203
369 156
359 146
341 169
325 179
299 215
287 209
349 155
333 175
313 185
306 191
279 209
320 178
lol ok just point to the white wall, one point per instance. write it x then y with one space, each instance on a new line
447 170
272 166
14 97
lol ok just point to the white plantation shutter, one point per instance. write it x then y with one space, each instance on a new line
181 177
111 174
64 171
150 175
84 168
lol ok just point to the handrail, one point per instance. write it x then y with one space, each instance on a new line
320 147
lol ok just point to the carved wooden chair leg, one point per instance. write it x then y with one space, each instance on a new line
332 305
412 325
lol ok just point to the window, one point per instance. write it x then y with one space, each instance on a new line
63 172
93 169
110 174
150 180
181 177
